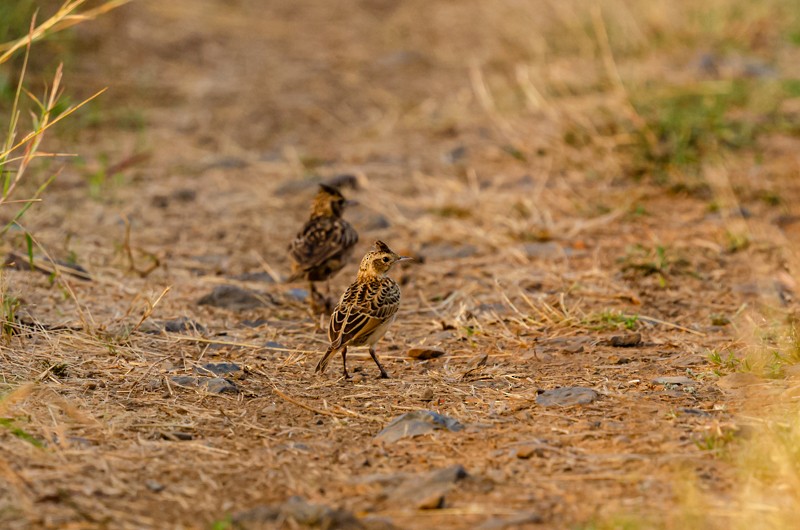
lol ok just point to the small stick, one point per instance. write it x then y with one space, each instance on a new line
672 325
267 267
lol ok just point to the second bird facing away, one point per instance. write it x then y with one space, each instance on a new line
325 243
366 308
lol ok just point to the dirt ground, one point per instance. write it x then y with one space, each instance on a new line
479 143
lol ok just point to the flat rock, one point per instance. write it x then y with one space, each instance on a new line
628 340
297 512
258 276
427 491
417 423
257 323
235 298
454 155
674 380
563 345
695 412
301 295
218 369
182 325
545 250
214 385
423 354
154 486
274 346
566 396
218 385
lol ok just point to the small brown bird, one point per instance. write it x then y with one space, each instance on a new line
366 308
326 241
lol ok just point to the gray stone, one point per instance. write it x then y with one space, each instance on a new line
427 491
628 340
258 276
154 486
454 155
297 512
674 380
301 295
417 423
257 323
566 396
182 324
275 346
218 385
544 250
235 298
218 369
214 385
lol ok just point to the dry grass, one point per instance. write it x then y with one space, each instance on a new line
542 160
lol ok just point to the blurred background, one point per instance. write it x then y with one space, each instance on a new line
584 95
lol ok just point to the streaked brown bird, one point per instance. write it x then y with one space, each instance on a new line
366 308
326 241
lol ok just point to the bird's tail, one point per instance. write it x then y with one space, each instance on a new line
326 359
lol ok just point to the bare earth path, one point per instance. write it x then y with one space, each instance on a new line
535 248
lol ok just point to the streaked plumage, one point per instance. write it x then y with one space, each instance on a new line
325 243
366 308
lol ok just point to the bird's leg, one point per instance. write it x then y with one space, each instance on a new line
314 297
344 362
384 375
330 303
311 291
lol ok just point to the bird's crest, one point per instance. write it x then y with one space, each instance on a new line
331 190
380 246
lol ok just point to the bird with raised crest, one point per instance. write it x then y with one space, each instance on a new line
324 244
367 308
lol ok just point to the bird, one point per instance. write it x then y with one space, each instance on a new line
325 243
366 309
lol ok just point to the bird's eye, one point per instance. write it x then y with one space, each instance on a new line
386 259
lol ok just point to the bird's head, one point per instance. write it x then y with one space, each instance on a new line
379 260
329 202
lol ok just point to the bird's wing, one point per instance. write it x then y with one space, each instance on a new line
363 307
321 239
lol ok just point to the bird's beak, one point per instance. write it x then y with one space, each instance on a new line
349 203
404 258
